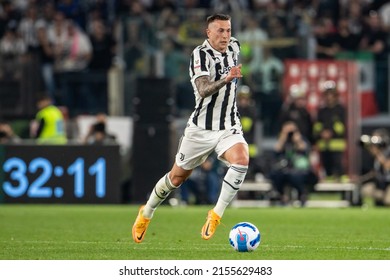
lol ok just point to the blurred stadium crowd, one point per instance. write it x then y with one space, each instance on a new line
67 48
70 39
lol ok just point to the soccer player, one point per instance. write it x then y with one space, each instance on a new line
214 125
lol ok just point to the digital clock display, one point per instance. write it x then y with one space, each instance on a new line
64 174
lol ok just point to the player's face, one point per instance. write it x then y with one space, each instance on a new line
219 33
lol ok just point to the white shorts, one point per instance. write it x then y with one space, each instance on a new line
197 144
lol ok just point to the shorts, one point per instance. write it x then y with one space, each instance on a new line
197 144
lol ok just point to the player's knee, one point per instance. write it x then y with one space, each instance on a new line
178 175
242 160
177 180
239 154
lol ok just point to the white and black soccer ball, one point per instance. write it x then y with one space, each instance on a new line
244 237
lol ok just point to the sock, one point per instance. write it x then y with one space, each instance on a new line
159 193
231 183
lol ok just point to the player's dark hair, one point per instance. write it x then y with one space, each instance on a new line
215 17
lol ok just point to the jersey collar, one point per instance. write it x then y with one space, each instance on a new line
207 43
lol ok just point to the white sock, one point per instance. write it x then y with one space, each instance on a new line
159 193
231 183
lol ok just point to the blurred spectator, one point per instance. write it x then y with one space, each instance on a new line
375 41
51 123
175 61
345 39
168 24
57 36
8 14
103 53
354 15
12 53
101 10
57 30
384 12
48 12
330 133
294 110
22 5
45 51
378 145
251 37
175 68
103 46
73 10
28 28
158 5
139 36
328 8
325 36
272 14
184 91
234 8
292 165
297 16
247 57
134 51
76 51
282 42
71 59
98 134
267 82
191 29
7 135
248 117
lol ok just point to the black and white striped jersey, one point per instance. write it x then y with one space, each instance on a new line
218 111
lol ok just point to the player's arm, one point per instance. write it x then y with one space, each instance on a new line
207 88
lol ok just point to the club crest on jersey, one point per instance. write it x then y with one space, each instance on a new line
224 70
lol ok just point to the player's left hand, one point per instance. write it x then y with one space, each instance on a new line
235 72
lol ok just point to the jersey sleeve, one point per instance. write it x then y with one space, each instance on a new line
235 45
200 64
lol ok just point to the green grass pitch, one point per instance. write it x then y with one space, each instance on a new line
103 232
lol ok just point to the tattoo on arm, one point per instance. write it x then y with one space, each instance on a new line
207 88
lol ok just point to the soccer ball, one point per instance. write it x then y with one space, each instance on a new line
244 237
